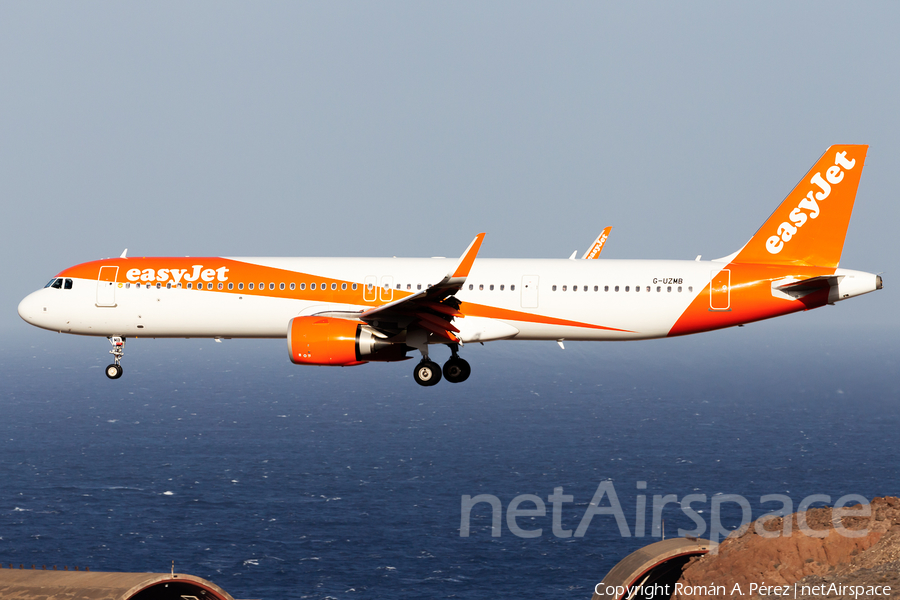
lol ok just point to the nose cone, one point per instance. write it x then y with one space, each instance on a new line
30 308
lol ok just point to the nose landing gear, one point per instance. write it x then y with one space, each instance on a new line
114 371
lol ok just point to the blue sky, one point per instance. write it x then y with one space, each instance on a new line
379 129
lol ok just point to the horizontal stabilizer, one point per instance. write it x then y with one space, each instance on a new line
811 285
796 290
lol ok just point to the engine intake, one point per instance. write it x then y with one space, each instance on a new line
338 342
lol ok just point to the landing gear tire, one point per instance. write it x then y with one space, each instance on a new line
427 373
114 371
456 370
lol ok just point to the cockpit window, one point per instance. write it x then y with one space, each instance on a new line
57 283
51 282
68 284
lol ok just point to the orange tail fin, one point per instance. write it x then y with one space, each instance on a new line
810 225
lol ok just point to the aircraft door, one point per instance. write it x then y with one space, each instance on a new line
106 286
370 291
387 288
720 290
530 291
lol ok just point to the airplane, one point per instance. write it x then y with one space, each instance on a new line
350 311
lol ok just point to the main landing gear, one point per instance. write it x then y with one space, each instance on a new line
456 370
427 373
114 371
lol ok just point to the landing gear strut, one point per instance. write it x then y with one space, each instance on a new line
456 370
114 371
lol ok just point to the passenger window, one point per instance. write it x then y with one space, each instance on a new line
492 287
419 286
565 287
669 288
249 285
690 288
241 285
324 286
501 287
343 286
637 288
231 285
280 286
627 288
371 286
553 288
481 287
574 288
68 284
271 286
648 288
679 288
409 286
159 285
617 288
190 285
302 286
398 286
312 286
605 288
221 285
658 288
512 288
57 284
127 285
471 287
179 286
354 286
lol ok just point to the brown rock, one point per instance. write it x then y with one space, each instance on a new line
823 555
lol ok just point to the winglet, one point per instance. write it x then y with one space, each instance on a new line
465 261
124 252
597 246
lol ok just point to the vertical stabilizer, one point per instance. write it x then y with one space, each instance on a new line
810 225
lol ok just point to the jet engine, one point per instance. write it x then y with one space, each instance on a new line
338 342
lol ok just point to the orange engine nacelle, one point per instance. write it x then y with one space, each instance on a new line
338 342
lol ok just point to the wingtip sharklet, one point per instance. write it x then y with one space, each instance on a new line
468 258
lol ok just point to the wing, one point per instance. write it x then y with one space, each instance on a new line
432 309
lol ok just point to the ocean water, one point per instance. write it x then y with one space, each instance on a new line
276 481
